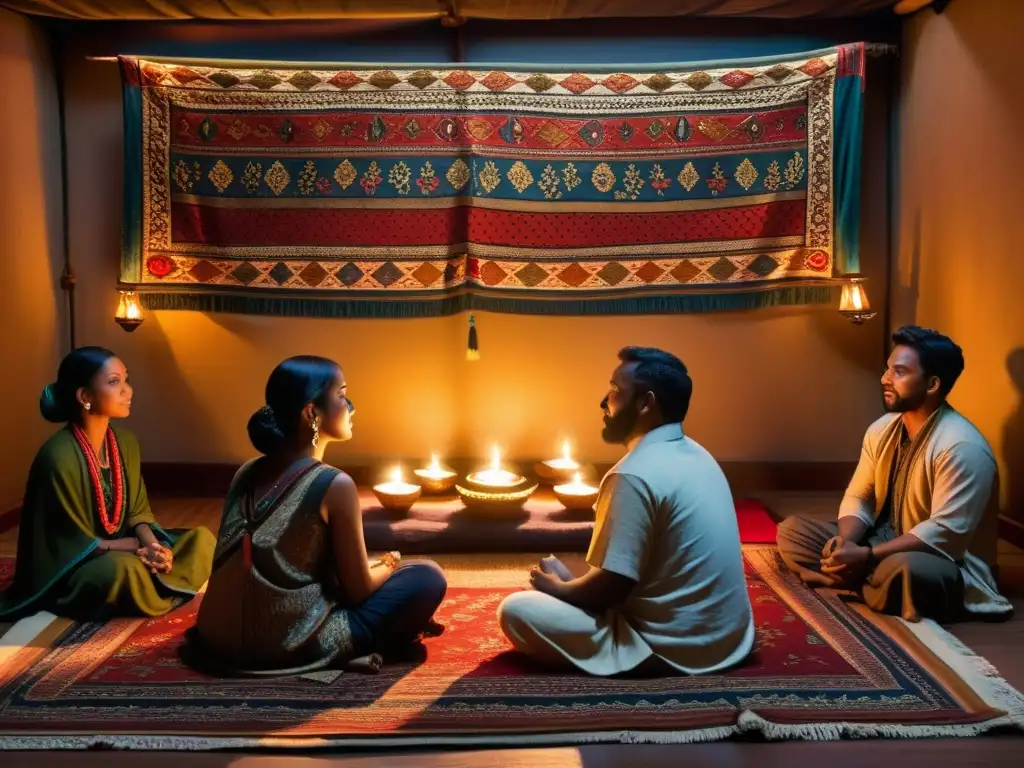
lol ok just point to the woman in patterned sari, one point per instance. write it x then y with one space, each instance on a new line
88 544
293 589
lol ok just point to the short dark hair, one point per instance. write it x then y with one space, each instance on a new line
663 374
938 354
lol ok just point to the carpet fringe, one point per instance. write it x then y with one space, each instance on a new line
974 669
748 724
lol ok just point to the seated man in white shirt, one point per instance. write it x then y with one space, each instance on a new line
666 587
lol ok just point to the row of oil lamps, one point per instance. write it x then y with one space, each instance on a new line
493 487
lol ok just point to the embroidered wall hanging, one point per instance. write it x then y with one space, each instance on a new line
373 192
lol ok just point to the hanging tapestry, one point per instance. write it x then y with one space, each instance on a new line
365 191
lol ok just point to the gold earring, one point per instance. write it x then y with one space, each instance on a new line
88 406
315 424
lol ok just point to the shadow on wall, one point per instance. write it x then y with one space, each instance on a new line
905 280
1013 441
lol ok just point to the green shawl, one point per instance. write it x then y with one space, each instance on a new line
59 526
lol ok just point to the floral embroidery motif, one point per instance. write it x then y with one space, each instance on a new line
520 176
307 178
772 179
603 178
323 185
717 183
251 177
428 181
489 177
767 635
688 177
400 177
633 182
549 182
658 181
371 179
345 174
277 178
794 171
186 176
220 175
746 174
571 177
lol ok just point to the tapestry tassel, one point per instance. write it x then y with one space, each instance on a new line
472 348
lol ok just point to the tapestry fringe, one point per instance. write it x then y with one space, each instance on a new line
341 307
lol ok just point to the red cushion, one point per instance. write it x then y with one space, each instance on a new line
756 525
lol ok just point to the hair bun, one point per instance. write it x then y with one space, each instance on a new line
50 405
265 432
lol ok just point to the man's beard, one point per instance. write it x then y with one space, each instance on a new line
619 427
901 404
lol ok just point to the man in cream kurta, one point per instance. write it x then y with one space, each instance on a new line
917 526
666 584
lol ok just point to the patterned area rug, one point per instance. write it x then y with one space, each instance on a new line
822 669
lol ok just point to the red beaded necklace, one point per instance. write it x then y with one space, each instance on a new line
110 526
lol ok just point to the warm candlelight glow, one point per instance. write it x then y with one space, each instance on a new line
396 494
397 484
566 462
577 494
495 475
129 313
435 478
576 488
435 471
853 301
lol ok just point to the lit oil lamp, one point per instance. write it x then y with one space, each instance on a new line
435 478
577 494
495 487
397 494
558 470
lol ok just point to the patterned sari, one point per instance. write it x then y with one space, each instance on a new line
272 606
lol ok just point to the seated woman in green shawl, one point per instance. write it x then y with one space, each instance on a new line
88 545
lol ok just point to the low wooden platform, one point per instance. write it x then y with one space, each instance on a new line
442 525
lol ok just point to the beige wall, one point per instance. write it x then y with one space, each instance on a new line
960 267
30 244
789 384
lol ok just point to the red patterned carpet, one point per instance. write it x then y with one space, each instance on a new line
822 669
